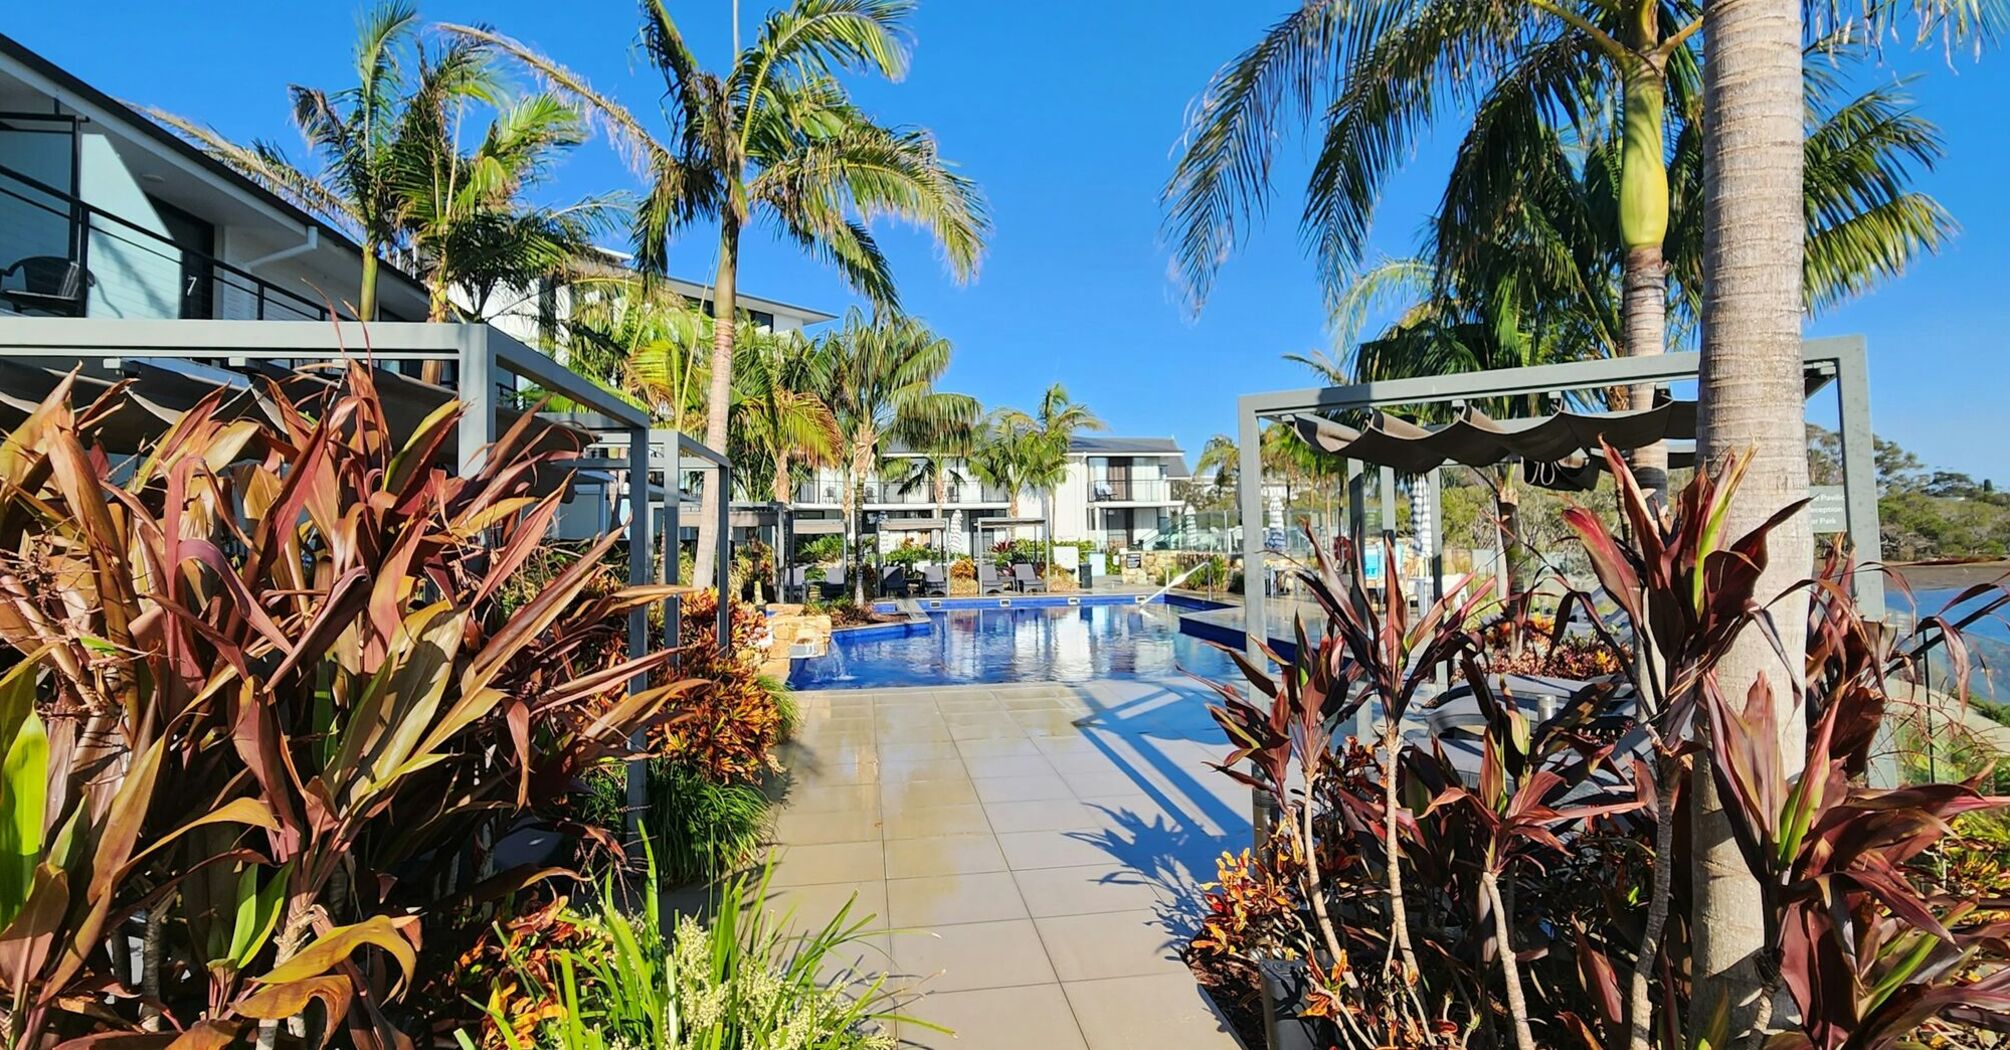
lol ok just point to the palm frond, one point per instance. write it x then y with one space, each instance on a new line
630 136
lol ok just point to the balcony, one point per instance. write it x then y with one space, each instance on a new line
64 257
1130 490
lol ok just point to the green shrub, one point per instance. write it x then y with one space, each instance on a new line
820 549
700 829
749 980
789 710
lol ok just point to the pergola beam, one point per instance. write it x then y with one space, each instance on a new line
1843 358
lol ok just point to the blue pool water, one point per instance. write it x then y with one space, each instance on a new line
1064 644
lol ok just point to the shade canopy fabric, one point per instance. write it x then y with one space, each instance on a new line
912 524
1475 439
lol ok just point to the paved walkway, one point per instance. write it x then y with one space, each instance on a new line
1037 848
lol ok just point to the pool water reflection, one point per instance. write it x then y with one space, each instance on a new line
1063 644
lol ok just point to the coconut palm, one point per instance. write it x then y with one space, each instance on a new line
393 173
1002 453
462 212
779 418
936 466
776 137
1378 76
882 373
1053 425
644 341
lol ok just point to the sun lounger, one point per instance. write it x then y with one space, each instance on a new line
1027 580
935 582
894 583
988 581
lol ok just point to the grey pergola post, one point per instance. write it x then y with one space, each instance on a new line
722 475
639 550
1249 492
673 518
476 430
1859 463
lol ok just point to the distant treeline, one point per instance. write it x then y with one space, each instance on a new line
1924 513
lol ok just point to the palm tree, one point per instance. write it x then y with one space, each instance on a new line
776 136
1378 76
644 341
462 212
1045 463
779 416
938 465
1001 451
882 374
393 171
1220 463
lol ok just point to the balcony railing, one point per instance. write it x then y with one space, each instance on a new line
63 256
1130 490
968 494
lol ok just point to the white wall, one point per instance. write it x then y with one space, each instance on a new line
135 275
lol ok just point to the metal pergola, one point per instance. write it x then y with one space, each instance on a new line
491 367
1839 360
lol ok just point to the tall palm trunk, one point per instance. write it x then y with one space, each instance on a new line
861 461
1751 390
1643 226
438 310
366 296
725 309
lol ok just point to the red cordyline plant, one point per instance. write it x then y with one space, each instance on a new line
1372 652
266 713
1687 590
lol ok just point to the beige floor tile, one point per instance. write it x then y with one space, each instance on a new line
1101 887
920 733
1069 744
810 907
987 731
1047 723
1034 1017
1092 761
945 900
829 862
924 769
798 828
1014 766
900 795
1109 944
922 751
832 798
1164 1012
943 855
1051 849
1017 747
1107 782
975 955
1040 815
1022 789
923 822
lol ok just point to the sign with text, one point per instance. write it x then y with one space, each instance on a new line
1826 509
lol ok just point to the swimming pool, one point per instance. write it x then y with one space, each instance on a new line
1056 644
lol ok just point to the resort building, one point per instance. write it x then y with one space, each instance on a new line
106 214
1118 494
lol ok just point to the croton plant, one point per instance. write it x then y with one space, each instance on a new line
1515 884
263 717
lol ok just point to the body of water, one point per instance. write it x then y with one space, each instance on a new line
1061 644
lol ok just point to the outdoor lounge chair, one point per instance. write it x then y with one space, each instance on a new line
796 582
832 585
893 584
988 581
1027 580
934 582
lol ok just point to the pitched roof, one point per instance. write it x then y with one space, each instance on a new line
1102 445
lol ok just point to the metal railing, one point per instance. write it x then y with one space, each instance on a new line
64 256
1130 490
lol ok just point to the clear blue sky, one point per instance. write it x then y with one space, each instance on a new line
1067 112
